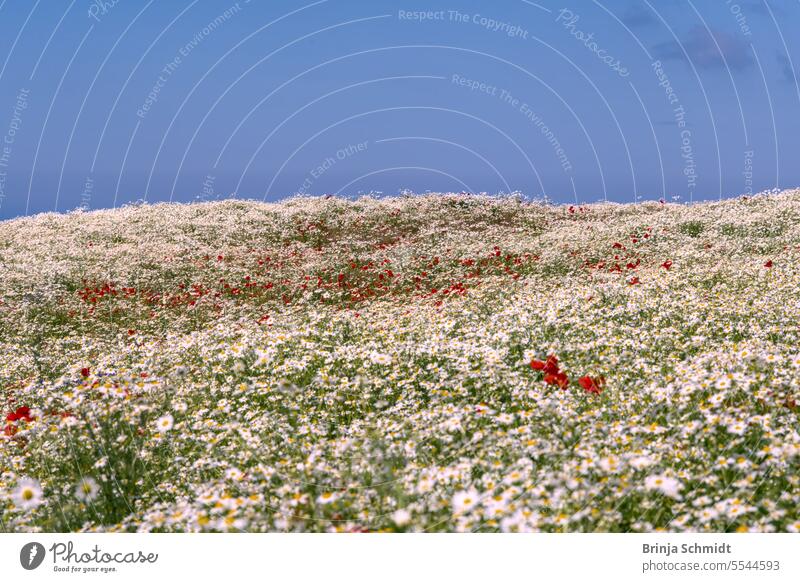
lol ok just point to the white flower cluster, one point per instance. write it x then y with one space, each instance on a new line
432 363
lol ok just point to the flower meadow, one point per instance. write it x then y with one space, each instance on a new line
418 363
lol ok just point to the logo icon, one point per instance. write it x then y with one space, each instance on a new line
31 555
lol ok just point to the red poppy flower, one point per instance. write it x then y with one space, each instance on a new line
667 264
24 413
537 364
634 281
85 372
592 385
552 374
21 413
551 365
768 264
559 379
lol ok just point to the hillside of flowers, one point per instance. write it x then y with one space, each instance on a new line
419 363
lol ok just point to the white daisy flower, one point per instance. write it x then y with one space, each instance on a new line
707 514
327 497
165 423
28 494
264 357
737 428
234 474
401 517
669 486
505 418
380 359
87 489
723 382
640 462
463 501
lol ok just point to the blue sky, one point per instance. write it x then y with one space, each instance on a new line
106 103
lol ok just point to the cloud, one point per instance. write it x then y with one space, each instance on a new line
759 7
703 52
788 74
638 16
